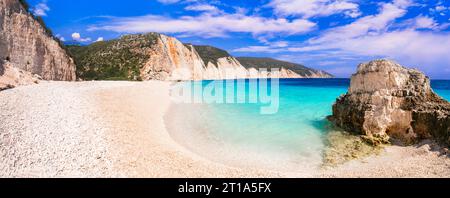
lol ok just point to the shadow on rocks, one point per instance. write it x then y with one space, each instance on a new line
430 145
2 69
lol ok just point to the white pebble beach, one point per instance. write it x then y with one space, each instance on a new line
117 129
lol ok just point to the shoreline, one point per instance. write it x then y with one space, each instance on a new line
117 129
151 138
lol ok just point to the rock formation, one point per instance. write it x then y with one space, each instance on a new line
287 69
26 45
156 56
11 77
386 100
169 59
172 60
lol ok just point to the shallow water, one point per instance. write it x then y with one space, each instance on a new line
239 135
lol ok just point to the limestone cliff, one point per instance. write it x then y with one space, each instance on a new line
287 69
156 56
386 100
172 60
27 46
252 65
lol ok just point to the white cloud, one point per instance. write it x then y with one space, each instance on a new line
440 8
77 37
417 42
279 44
269 47
41 9
254 49
168 1
178 1
368 24
313 8
425 23
100 39
423 49
202 7
61 38
370 36
206 25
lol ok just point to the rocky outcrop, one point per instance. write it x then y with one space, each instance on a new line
12 77
26 45
159 57
172 60
386 100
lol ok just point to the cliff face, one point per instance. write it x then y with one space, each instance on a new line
155 56
288 70
172 60
387 100
25 45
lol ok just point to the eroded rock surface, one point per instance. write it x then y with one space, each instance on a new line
386 100
12 77
26 45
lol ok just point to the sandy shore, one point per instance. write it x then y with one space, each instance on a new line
96 129
116 129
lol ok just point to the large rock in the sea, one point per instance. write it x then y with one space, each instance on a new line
386 100
26 45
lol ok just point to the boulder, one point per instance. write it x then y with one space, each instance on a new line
387 101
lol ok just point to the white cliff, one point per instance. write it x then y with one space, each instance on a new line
26 46
172 60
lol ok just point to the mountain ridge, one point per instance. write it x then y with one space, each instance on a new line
209 53
155 56
269 63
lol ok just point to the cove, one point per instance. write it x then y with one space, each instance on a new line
237 134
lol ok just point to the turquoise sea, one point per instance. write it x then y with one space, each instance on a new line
237 134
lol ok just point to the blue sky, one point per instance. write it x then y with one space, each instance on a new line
333 35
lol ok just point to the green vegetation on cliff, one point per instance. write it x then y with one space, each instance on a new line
249 62
41 21
210 54
119 59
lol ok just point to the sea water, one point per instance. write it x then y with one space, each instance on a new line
291 139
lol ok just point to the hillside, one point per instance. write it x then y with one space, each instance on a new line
210 53
254 62
118 59
155 56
